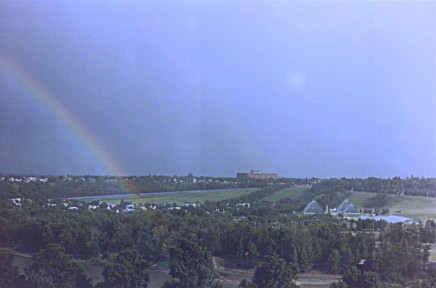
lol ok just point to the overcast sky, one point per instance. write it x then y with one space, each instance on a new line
323 89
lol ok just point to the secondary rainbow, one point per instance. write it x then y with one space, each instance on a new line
38 91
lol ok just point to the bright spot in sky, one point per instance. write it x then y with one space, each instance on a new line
296 80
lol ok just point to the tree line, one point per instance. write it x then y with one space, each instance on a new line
413 186
76 186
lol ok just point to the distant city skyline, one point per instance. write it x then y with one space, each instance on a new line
297 88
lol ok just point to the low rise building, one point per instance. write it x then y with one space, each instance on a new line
256 174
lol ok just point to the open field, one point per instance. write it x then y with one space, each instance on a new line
292 193
358 198
180 197
411 206
313 278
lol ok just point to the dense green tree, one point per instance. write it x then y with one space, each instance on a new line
246 284
171 284
8 272
347 258
253 252
353 279
430 278
378 201
371 280
339 284
293 257
126 271
217 284
400 253
275 273
334 259
428 232
305 258
52 268
191 264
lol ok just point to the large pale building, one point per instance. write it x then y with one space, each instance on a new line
256 174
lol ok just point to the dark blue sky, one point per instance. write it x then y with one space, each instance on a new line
324 89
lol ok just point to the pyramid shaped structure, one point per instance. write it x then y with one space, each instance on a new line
313 208
344 206
351 209
347 208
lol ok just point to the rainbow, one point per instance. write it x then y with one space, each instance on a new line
41 93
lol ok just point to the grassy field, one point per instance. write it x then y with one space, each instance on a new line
411 206
292 193
180 197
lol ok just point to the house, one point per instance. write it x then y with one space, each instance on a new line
16 201
243 204
194 204
174 208
129 208
313 208
110 205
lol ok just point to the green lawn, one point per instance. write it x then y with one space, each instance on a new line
181 197
292 193
358 198
411 206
